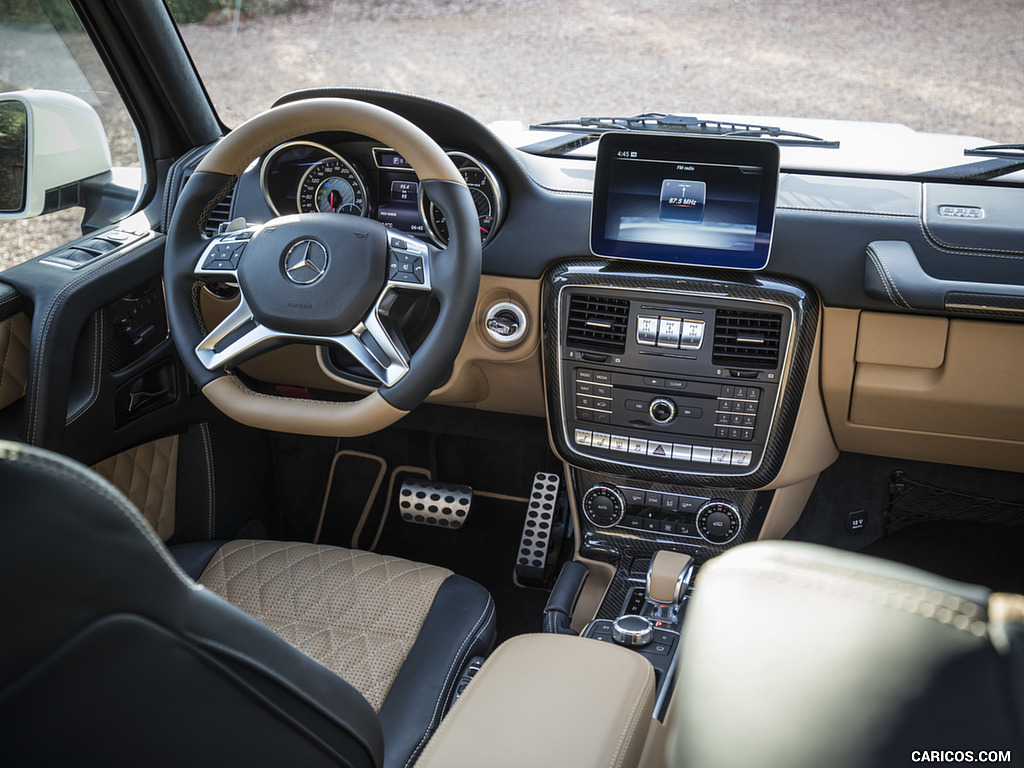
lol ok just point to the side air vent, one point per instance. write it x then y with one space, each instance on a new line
747 339
598 323
220 214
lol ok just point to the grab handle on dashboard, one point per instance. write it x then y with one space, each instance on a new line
892 273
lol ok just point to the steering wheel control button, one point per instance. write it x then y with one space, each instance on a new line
223 256
603 505
632 631
718 522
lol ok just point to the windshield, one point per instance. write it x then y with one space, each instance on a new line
931 65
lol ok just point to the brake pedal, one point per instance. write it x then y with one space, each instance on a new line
536 538
441 505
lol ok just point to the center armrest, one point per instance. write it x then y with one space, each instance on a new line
549 700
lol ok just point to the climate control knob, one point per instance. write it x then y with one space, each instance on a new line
718 521
604 505
662 410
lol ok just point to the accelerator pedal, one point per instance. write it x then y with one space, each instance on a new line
439 505
531 561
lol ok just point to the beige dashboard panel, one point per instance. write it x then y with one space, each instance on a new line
485 375
926 388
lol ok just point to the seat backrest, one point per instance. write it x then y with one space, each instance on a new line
113 656
800 656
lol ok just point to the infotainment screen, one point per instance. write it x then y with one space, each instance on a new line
685 199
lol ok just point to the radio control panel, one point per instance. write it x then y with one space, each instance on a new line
670 383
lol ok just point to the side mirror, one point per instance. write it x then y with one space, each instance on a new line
49 143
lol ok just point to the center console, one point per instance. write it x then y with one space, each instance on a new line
672 395
674 372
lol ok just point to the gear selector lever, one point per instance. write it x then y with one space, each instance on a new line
668 578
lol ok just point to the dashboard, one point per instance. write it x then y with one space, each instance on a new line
695 405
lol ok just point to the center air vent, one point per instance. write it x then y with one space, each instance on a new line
598 323
747 339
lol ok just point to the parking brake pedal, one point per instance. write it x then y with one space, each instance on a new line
540 516
440 505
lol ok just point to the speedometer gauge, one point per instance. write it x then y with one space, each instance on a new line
332 186
486 192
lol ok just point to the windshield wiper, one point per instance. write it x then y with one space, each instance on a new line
1011 151
1002 159
591 129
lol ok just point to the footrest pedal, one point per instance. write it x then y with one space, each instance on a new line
441 505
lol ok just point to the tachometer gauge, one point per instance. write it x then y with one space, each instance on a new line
332 186
486 192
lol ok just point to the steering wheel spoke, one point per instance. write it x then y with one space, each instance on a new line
236 338
372 345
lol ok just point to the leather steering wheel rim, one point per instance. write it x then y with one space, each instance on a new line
454 271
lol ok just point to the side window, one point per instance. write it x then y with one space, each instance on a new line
43 46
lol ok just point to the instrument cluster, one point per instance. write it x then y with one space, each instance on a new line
360 179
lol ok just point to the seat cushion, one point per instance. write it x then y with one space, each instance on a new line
357 613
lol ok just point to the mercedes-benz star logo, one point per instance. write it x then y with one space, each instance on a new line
305 262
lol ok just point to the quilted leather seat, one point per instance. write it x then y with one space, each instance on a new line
331 657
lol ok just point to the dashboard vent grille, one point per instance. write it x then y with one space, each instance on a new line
747 339
598 322
220 214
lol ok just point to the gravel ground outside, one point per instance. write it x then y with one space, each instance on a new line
933 65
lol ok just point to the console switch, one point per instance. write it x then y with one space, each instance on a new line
647 330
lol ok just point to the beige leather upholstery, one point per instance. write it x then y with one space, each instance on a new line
549 700
14 336
306 417
357 613
147 475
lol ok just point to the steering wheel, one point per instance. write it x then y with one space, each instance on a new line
320 278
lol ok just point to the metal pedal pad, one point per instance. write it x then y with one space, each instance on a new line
441 505
536 538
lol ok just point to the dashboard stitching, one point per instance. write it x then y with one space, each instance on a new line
887 278
846 213
953 249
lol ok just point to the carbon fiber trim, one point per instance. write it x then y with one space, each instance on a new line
631 550
780 294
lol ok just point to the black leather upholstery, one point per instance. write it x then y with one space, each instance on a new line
112 655
802 656
460 625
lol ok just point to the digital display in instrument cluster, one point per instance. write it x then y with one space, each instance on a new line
685 199
402 207
398 207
